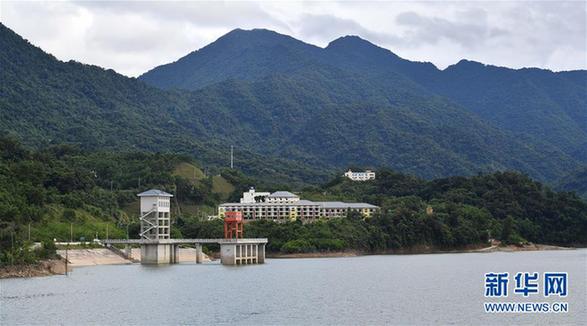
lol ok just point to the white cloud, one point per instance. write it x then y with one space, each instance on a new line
133 37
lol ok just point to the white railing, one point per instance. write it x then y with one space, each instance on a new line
183 241
152 225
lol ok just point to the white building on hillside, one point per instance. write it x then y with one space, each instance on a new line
283 205
360 176
252 196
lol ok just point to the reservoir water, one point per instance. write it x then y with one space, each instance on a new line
392 289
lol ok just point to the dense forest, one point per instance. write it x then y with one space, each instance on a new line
46 194
444 213
575 181
46 102
65 193
296 112
417 112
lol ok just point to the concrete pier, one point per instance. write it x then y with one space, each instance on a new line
127 251
261 256
242 251
198 254
157 253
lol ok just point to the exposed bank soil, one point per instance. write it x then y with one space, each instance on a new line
43 268
524 247
495 246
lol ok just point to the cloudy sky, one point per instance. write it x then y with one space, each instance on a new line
132 37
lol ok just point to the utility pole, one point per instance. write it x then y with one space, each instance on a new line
66 258
111 197
177 200
231 157
12 246
70 232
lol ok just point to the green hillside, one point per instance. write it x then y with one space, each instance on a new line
537 213
295 121
44 101
544 108
62 188
65 192
381 110
426 136
221 187
189 171
575 181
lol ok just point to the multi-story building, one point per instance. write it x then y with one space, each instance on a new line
360 176
155 218
283 205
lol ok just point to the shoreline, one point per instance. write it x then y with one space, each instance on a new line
423 250
48 267
57 266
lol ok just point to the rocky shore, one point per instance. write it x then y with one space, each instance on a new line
43 268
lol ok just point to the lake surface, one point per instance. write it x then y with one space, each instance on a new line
410 289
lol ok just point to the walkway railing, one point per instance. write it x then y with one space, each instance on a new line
183 241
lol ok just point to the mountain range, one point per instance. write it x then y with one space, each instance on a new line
295 111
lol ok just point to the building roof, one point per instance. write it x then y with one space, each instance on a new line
303 202
154 193
361 205
283 194
258 204
332 204
338 204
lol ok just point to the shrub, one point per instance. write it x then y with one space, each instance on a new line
329 244
297 246
48 250
69 215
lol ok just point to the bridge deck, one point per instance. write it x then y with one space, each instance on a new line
183 241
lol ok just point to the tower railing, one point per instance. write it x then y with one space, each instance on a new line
152 225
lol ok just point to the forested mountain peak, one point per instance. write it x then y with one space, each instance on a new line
239 54
354 42
471 65
17 49
297 111
466 64
257 37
